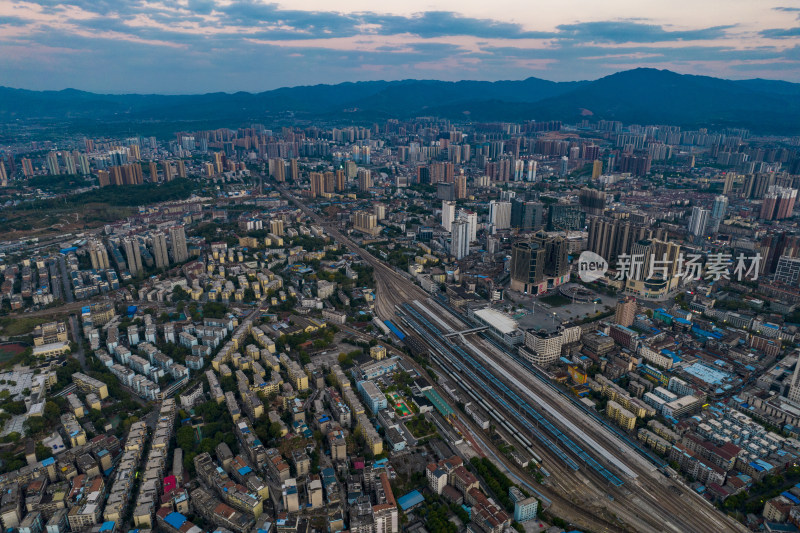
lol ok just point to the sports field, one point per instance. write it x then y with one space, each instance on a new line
399 404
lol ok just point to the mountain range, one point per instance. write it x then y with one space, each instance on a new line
643 96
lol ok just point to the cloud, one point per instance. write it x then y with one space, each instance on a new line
13 21
781 33
635 32
202 45
442 23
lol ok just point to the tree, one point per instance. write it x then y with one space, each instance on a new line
126 424
52 412
15 408
214 310
42 451
180 295
34 425
185 438
275 430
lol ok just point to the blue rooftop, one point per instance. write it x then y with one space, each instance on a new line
410 500
791 497
708 374
107 526
47 462
176 520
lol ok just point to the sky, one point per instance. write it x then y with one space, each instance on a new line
198 46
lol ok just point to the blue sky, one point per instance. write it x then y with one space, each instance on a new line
194 46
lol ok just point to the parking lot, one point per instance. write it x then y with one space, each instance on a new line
539 315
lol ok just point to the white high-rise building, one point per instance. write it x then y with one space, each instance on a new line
69 163
459 241
794 388
52 164
448 214
698 221
500 214
531 170
519 170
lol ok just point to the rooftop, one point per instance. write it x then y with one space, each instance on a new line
500 321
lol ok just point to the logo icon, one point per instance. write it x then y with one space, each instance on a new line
591 267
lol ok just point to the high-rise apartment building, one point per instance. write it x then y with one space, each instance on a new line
626 311
83 163
27 167
460 186
556 262
527 266
52 164
564 217
168 174
563 169
153 171
276 226
317 184
341 181
778 203
294 169
364 179
181 168
500 214
794 386
526 215
532 170
446 191
330 182
448 215
160 250
592 201
350 169
277 169
698 222
459 239
612 237
132 255
718 212
98 255
366 222
471 218
597 169
69 163
177 237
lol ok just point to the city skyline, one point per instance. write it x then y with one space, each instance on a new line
206 46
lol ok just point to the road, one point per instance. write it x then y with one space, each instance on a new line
65 280
76 338
391 288
561 500
649 502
